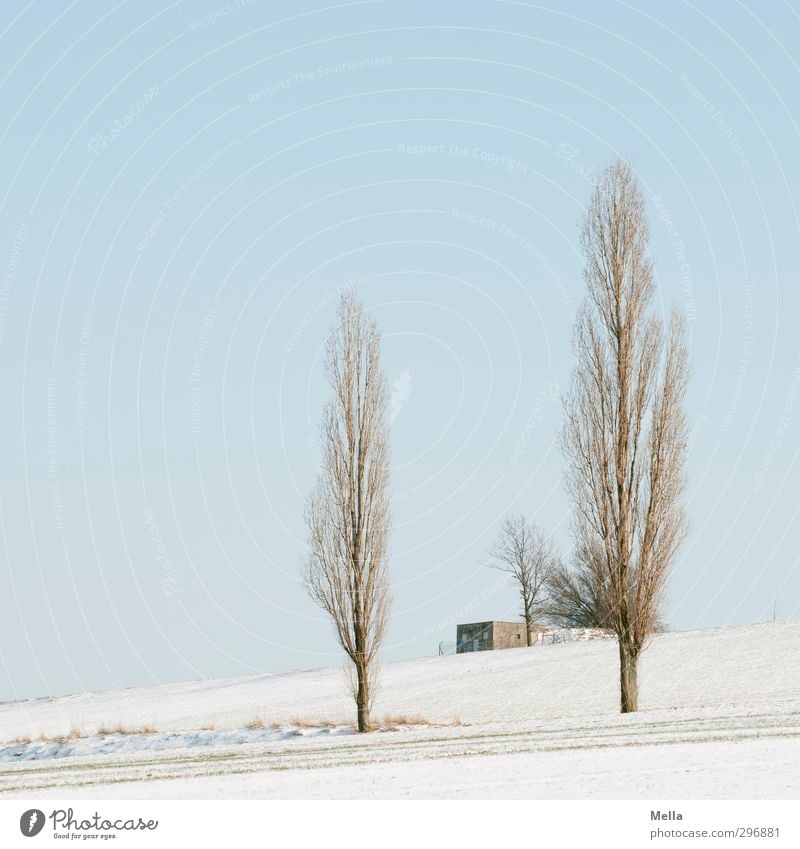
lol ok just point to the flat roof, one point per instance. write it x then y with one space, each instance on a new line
499 622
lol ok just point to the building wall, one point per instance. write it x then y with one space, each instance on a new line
485 636
508 635
475 636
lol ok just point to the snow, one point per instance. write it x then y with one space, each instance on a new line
744 770
719 718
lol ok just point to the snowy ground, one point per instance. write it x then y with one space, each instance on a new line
720 718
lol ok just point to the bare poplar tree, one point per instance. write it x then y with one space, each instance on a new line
348 514
624 436
525 553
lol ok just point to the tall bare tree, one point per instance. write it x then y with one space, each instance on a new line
624 436
348 514
525 553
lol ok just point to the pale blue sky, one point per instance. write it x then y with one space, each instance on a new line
185 188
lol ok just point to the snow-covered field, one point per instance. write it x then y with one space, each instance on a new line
719 718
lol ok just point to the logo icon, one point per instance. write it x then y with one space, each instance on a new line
402 389
31 822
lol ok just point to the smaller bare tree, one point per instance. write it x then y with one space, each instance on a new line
578 595
525 553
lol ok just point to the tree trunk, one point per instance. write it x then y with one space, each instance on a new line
628 683
362 698
527 612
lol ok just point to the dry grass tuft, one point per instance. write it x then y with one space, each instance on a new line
389 722
298 722
396 720
209 726
255 724
392 722
119 728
